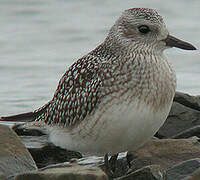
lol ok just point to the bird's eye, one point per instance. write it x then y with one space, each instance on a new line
144 29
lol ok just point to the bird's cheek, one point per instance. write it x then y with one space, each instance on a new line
129 33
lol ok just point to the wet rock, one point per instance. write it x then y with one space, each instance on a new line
74 172
165 152
14 157
180 119
153 172
184 169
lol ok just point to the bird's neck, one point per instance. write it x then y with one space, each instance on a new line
147 72
117 49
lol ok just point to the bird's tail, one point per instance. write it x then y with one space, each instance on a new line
26 117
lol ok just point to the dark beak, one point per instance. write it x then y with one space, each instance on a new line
174 42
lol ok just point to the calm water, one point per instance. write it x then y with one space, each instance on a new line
40 39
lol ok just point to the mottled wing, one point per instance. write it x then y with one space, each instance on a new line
76 95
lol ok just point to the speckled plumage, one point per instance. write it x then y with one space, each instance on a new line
117 96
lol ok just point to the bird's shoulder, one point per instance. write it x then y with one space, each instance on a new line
77 93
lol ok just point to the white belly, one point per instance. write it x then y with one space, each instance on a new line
113 128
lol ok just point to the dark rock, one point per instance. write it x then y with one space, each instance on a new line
194 131
165 152
73 171
183 120
14 157
50 154
153 172
24 130
180 119
183 170
194 176
188 100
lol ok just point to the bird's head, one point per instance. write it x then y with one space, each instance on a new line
144 29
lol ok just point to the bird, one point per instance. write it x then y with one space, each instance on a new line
116 97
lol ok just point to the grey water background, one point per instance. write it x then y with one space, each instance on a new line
40 39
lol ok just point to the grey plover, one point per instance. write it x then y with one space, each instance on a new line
118 95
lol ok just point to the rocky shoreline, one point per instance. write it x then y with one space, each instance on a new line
173 154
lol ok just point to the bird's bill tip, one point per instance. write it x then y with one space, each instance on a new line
172 41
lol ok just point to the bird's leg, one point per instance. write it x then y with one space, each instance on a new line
107 166
110 165
113 161
129 158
